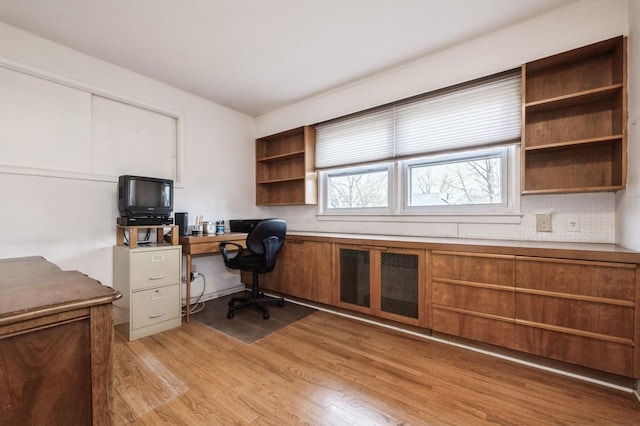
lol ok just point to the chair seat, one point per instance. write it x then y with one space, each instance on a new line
247 263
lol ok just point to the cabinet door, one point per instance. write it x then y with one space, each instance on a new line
354 272
46 371
386 282
303 269
473 296
402 286
317 267
577 311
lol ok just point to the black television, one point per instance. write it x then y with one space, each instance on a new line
145 200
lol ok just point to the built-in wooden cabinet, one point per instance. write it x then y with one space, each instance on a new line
382 281
577 311
473 296
576 303
285 168
574 136
303 269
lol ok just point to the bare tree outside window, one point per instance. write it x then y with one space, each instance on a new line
475 181
359 190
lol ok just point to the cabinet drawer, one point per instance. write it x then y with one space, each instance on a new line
155 305
494 301
480 327
155 268
573 277
474 268
611 355
592 316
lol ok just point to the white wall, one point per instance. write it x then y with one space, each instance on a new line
577 25
71 221
628 202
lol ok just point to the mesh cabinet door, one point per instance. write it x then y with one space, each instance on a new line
399 284
355 287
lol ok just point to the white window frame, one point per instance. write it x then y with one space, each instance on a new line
324 189
506 212
496 208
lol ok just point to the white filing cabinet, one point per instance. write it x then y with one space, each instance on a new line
149 280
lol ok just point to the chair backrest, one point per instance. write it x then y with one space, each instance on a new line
264 229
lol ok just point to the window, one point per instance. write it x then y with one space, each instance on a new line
448 152
472 181
461 183
358 189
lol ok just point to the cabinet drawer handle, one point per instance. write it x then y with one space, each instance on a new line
157 315
156 277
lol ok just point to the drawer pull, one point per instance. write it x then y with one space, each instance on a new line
156 277
157 315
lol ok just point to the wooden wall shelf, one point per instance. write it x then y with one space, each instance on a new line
285 168
574 133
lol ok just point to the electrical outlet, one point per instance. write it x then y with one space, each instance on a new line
543 223
573 223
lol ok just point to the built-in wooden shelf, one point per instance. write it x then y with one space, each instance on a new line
285 168
574 134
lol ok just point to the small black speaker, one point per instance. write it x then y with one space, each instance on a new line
182 220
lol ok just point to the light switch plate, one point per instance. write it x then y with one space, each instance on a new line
543 223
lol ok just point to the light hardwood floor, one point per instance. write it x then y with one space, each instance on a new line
330 370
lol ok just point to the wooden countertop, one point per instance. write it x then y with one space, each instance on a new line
583 251
31 287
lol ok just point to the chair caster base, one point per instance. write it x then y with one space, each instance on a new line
239 303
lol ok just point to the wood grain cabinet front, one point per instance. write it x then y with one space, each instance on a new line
387 282
303 269
580 312
472 296
56 336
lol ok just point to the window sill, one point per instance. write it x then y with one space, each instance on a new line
513 218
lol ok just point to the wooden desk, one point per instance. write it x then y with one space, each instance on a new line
56 332
201 245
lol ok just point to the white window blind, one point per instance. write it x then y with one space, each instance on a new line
362 139
480 113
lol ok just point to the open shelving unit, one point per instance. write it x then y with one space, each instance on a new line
285 168
574 134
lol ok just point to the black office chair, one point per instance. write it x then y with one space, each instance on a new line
264 241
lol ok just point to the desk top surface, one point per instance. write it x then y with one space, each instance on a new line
32 287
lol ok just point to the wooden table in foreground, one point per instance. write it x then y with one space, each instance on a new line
201 245
56 332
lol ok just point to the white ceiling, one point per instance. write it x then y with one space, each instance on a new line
256 56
